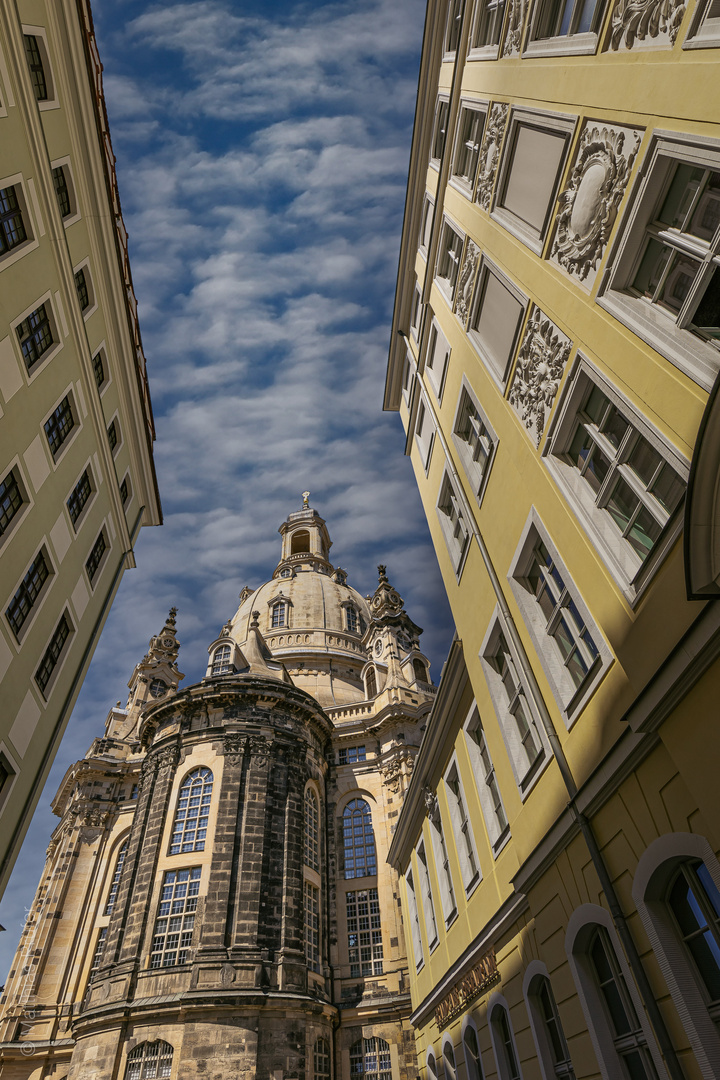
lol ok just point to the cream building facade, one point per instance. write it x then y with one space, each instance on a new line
216 897
554 362
77 479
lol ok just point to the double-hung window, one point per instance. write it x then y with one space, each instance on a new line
11 500
95 558
176 917
427 897
453 523
12 227
437 359
442 112
79 497
37 68
59 425
569 19
467 147
424 434
52 655
442 865
491 803
462 829
62 191
35 335
474 439
489 15
28 593
625 1029
449 259
454 24
623 479
414 919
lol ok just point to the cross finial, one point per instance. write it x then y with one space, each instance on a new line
306 498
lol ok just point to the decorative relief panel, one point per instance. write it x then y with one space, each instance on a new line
594 190
636 21
490 152
466 281
541 361
516 20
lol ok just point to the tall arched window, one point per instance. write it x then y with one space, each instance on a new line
312 818
279 614
191 816
149 1061
694 901
472 1053
371 1058
548 1030
449 1059
221 660
321 1060
352 619
504 1044
625 1027
358 840
432 1066
115 883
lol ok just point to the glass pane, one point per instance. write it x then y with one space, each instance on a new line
608 986
597 469
706 216
567 11
615 427
622 505
678 282
635 1065
585 19
644 460
668 488
596 405
711 890
644 532
651 267
685 183
707 313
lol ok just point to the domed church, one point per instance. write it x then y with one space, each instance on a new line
216 899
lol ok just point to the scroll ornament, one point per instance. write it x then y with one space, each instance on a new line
541 361
490 152
513 36
635 20
467 281
588 206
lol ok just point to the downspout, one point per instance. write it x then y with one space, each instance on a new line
620 922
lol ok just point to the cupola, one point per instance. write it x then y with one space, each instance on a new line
305 538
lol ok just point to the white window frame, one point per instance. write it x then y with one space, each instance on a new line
454 14
656 867
408 377
468 1022
92 292
437 359
47 300
493 811
487 267
698 359
40 34
465 846
449 1061
443 869
477 474
471 112
632 575
580 929
42 596
442 106
65 164
414 916
551 1070
23 189
424 433
569 43
449 258
68 393
570 699
554 124
498 1002
704 33
416 311
427 896
489 50
426 224
451 512
526 774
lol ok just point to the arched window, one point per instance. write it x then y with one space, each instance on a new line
312 926
352 619
371 1058
431 1066
149 1061
449 1059
504 1044
191 816
420 670
114 884
221 660
371 683
311 830
279 614
694 901
300 543
472 1054
321 1060
625 1028
358 840
547 1028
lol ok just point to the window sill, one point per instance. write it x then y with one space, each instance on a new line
696 359
464 187
41 363
17 253
472 886
484 52
452 917
567 45
701 41
501 841
531 777
520 229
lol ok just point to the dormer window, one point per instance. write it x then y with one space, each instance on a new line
352 620
221 660
279 615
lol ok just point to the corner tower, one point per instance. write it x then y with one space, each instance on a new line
218 886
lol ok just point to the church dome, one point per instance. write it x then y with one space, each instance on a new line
312 621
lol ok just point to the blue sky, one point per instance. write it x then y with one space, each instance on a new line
262 158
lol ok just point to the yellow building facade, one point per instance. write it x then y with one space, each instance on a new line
554 361
77 479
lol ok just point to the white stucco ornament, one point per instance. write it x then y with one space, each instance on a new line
541 362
